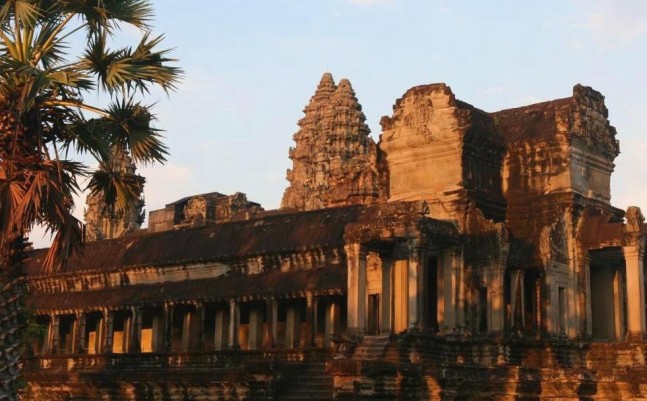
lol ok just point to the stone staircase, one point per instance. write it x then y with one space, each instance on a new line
307 381
372 347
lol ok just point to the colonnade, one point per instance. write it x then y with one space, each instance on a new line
267 323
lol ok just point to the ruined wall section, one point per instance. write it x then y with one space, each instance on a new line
335 160
201 210
559 156
443 151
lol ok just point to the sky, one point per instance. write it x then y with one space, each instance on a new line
251 66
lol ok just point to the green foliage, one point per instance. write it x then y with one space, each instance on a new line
45 115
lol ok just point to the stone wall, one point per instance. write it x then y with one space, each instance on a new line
443 151
423 367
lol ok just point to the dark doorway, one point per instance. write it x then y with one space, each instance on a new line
374 314
432 291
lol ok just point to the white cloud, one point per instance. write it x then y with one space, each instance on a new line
614 23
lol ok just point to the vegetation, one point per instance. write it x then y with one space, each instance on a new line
46 121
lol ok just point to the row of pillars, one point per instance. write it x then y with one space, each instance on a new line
133 338
556 311
408 274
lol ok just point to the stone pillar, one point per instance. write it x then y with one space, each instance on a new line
76 335
167 340
416 285
635 290
222 328
356 303
108 318
458 288
517 312
234 322
587 284
188 323
47 341
269 328
333 322
387 296
55 333
275 321
256 324
293 326
449 309
310 320
81 324
199 327
136 329
496 303
619 295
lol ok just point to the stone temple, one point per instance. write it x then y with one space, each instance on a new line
467 255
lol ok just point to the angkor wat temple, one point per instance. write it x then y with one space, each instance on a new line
466 255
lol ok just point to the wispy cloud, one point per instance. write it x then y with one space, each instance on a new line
614 23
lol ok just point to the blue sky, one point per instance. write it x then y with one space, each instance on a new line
251 67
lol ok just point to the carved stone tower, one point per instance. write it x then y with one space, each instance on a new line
103 222
334 161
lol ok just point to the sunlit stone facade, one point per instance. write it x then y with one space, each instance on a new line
466 255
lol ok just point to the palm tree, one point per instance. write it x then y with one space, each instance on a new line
46 122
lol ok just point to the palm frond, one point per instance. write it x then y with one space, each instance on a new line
49 187
131 69
129 125
86 136
118 188
67 242
103 16
12 193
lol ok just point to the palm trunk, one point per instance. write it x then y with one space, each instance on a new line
12 321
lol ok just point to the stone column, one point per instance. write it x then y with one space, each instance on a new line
517 300
275 321
76 335
356 262
199 326
496 303
416 288
168 327
635 290
81 324
222 328
47 341
333 322
310 329
108 317
450 303
588 315
269 332
234 322
136 329
55 333
387 296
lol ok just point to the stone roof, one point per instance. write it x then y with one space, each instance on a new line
219 289
274 234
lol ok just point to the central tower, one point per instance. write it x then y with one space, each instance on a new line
335 159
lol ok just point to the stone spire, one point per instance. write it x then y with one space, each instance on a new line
334 161
101 222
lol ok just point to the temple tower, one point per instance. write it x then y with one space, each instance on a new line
334 161
103 221
444 151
